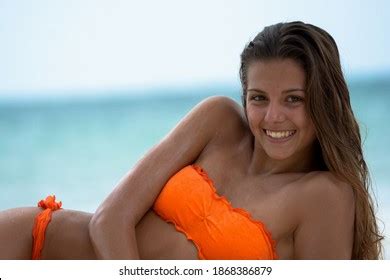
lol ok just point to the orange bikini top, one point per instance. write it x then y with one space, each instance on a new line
189 200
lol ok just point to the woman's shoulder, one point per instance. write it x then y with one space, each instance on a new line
225 105
323 188
229 115
212 117
325 180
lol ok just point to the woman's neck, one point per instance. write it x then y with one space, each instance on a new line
261 163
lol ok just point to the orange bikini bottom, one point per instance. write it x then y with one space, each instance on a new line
41 221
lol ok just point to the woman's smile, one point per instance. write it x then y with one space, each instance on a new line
279 136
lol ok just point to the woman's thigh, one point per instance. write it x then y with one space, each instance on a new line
66 236
16 232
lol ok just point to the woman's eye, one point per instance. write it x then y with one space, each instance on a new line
294 99
257 98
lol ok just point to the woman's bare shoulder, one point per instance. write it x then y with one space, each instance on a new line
226 106
321 191
231 120
319 183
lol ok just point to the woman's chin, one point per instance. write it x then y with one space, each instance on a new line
278 155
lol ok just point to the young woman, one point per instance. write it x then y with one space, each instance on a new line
282 177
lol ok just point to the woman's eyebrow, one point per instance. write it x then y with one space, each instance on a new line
285 91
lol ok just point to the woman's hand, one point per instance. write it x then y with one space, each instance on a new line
112 228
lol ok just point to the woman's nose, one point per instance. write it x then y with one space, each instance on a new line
274 113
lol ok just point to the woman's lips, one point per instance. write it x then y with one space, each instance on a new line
278 136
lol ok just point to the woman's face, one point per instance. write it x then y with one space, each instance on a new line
276 108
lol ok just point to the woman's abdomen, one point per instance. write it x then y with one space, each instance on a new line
158 239
68 238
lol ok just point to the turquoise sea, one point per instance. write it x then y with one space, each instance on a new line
79 147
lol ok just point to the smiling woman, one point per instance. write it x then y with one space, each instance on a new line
312 58
275 102
282 177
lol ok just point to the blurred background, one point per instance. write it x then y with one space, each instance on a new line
87 87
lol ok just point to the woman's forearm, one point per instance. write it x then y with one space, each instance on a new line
112 227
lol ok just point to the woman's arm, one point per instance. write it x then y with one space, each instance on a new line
112 228
326 230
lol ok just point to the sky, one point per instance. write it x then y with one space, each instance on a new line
49 45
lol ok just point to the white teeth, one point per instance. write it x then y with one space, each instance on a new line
279 134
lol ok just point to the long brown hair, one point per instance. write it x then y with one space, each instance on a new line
328 104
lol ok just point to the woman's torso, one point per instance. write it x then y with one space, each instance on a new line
271 200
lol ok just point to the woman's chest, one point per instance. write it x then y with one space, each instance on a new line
269 200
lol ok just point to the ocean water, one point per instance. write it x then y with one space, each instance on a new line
79 148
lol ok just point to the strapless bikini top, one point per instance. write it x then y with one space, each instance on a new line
190 202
